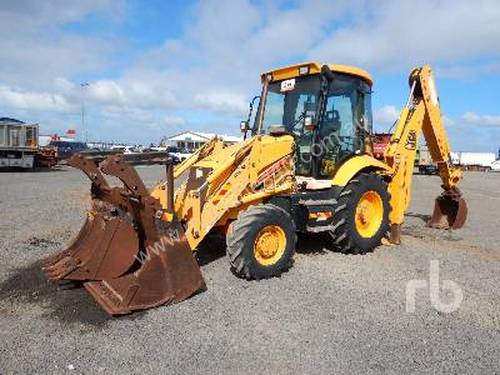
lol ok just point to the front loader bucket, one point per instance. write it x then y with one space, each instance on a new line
450 211
105 247
168 274
107 243
130 253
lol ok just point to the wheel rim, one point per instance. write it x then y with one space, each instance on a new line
270 245
369 214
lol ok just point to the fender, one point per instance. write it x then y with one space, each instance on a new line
354 165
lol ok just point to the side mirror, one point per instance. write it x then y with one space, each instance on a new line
244 126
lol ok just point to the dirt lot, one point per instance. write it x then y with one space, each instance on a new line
330 313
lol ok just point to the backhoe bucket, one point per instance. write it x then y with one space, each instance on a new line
129 254
450 211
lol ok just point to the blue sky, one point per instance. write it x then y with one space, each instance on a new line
155 68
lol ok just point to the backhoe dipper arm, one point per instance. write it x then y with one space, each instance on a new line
433 129
422 113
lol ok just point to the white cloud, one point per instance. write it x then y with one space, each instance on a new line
216 65
174 120
447 121
35 101
153 94
223 102
63 85
35 47
385 115
398 34
481 120
212 66
106 92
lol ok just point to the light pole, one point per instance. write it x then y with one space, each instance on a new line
83 85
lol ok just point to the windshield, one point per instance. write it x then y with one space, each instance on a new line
289 101
339 129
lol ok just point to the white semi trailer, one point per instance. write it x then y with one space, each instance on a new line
473 160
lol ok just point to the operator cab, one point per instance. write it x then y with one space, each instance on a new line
326 109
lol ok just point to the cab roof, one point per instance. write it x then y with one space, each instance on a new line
309 68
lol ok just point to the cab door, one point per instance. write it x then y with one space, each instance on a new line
345 123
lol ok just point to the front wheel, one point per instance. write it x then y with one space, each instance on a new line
361 216
261 242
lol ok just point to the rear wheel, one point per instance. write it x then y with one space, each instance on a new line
361 216
261 242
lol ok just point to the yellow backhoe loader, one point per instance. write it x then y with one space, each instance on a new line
305 165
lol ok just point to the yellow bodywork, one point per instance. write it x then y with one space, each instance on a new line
223 180
135 248
421 114
355 165
294 71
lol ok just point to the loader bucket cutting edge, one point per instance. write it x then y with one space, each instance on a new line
450 211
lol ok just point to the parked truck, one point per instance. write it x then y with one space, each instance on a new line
19 146
18 143
424 161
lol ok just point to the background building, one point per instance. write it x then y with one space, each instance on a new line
191 140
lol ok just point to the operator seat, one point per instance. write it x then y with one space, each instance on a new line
331 123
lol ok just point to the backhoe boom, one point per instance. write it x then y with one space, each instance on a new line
422 114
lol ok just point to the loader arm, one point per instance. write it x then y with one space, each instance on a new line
202 152
223 182
422 114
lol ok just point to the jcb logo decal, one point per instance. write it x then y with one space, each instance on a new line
411 142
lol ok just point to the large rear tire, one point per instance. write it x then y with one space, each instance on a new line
261 242
361 216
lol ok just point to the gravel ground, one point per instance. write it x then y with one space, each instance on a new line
331 313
